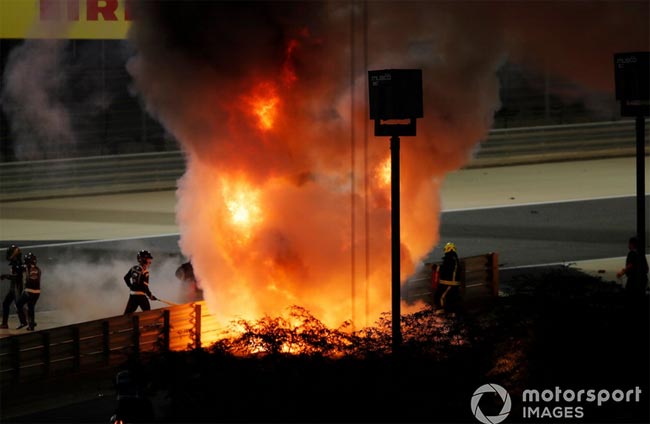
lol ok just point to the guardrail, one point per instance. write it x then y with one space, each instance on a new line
160 171
90 175
84 351
109 342
517 146
103 343
478 276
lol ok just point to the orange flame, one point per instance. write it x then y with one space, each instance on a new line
264 103
279 238
242 201
288 72
383 172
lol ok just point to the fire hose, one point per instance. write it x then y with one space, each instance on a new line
167 302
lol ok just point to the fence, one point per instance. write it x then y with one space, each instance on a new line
160 171
109 342
103 343
478 275
516 146
90 175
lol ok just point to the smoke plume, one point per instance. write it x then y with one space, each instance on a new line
81 289
50 94
33 81
285 198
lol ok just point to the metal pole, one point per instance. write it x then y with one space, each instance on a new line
104 141
640 182
366 197
395 242
353 159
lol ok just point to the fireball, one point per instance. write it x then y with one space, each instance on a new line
383 173
242 203
263 103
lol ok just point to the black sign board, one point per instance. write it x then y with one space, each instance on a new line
395 94
632 77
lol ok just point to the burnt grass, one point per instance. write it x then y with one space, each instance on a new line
555 328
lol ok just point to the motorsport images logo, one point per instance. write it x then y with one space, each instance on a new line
505 398
558 402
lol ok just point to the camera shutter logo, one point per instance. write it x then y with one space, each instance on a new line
503 394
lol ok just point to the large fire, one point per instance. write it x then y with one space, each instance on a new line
286 195
288 235
285 199
282 239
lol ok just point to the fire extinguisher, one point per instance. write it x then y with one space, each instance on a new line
435 277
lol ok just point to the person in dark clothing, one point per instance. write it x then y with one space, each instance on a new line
635 270
137 279
30 294
447 294
14 256
185 273
133 404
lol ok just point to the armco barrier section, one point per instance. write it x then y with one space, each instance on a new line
516 146
102 343
90 175
111 341
478 276
161 170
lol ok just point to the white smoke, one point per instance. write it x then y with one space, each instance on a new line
81 289
51 86
34 81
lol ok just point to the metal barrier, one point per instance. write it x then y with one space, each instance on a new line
161 170
90 175
110 342
517 146
104 343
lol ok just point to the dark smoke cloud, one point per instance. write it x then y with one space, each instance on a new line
576 39
198 66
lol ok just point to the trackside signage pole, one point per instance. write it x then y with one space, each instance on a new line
631 72
395 243
640 183
395 94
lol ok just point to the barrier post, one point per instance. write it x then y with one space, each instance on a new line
166 329
197 326
494 273
15 358
46 353
136 335
106 345
76 349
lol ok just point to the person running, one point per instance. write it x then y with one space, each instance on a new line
30 294
15 276
137 280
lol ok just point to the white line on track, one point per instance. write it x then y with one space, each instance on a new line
70 243
548 202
